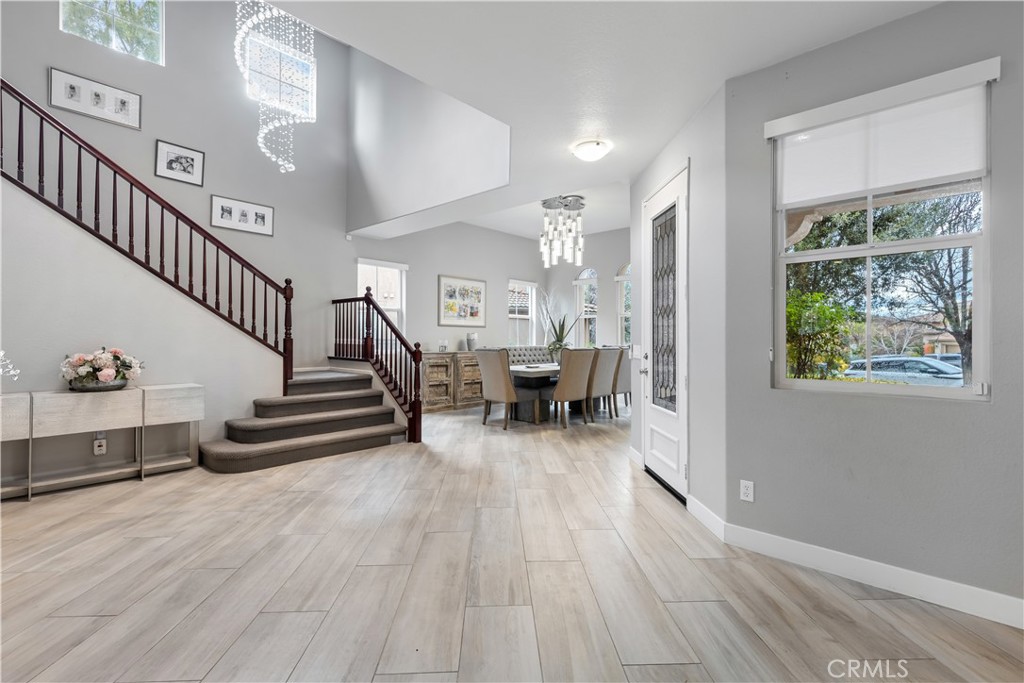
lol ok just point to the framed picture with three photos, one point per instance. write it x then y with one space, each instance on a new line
92 98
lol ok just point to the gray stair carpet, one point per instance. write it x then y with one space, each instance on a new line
325 413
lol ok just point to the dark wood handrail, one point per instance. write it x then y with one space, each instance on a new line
142 187
181 241
364 332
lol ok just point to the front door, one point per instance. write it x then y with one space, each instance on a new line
664 341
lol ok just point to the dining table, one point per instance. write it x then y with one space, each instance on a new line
533 376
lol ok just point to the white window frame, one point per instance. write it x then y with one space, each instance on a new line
624 275
112 46
403 268
978 242
580 284
531 318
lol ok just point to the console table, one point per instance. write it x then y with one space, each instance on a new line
42 414
451 380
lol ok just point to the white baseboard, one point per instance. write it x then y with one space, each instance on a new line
980 602
635 456
705 516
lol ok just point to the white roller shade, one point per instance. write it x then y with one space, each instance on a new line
938 138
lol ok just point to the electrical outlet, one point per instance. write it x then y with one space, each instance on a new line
747 490
99 447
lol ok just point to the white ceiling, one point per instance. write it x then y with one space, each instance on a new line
557 72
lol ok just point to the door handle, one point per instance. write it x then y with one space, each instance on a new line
643 371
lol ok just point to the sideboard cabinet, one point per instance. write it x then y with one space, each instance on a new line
450 380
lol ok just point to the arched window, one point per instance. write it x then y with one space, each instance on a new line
586 307
623 279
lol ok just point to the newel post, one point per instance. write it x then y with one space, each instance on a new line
368 335
416 421
289 292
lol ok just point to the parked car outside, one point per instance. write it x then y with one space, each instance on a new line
908 370
951 358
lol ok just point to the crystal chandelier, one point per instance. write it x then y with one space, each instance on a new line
274 52
562 236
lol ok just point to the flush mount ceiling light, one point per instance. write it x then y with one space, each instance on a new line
274 52
592 150
562 236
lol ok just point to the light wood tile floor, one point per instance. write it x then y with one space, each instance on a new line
479 555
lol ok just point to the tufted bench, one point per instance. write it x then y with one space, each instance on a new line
528 355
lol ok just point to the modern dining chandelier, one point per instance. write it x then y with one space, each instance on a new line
562 236
274 52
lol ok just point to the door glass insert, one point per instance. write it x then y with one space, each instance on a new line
663 300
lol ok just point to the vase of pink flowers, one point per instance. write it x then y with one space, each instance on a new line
102 370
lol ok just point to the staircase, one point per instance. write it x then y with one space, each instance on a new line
325 413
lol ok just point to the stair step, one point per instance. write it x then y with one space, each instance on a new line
301 404
230 456
321 381
262 429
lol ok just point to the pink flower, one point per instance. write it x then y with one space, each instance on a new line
78 359
116 351
106 375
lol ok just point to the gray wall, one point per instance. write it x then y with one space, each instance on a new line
461 250
702 140
414 147
927 484
198 100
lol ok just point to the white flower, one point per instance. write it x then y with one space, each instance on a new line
85 370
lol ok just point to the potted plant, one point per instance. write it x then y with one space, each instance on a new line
560 335
102 370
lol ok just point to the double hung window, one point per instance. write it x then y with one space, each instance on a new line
881 251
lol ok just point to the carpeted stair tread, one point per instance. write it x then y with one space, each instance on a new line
316 398
265 423
232 450
305 376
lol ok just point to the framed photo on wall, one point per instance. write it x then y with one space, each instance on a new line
95 99
461 302
179 163
238 215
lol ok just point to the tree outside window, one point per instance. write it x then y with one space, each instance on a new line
625 304
586 308
134 27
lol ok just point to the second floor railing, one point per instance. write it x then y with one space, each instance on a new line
49 161
364 332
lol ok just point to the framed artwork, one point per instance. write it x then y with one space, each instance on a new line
95 99
238 215
461 302
179 163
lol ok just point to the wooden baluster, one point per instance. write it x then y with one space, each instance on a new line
252 320
216 278
241 296
78 192
204 269
231 308
277 326
131 219
147 229
191 233
337 329
42 158
264 310
162 240
175 250
113 205
96 197
368 338
289 292
416 421
21 142
60 167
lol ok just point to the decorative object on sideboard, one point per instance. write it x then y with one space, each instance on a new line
238 215
274 53
562 234
442 345
102 370
461 302
7 368
95 99
471 340
179 163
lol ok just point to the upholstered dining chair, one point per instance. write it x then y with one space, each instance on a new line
497 385
573 378
622 383
602 378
